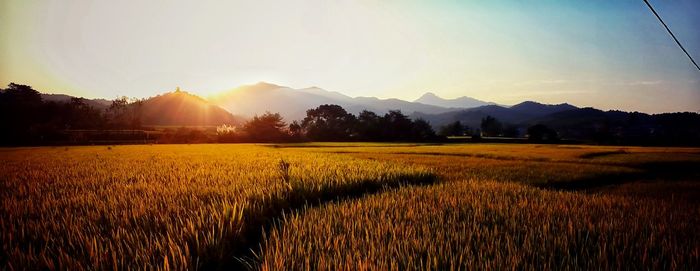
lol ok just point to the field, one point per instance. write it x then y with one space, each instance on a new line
355 206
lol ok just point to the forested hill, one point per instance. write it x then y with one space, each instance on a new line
184 109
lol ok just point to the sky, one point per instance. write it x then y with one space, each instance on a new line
604 54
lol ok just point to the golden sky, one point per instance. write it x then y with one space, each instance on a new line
606 54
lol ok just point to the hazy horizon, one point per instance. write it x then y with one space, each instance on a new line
608 55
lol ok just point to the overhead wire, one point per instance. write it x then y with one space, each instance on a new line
672 35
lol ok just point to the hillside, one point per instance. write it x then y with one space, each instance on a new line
517 114
99 104
182 108
538 109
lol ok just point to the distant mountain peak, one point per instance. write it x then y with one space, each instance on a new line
429 95
266 84
313 88
538 103
533 103
431 98
259 86
527 102
181 94
535 108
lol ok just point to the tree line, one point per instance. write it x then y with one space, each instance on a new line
492 127
28 119
331 122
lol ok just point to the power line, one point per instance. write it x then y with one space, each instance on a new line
672 35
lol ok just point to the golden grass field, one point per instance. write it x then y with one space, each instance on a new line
349 206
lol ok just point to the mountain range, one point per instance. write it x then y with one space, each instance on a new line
100 104
177 108
249 100
524 113
461 102
256 99
180 108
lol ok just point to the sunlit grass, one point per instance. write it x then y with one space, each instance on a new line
210 207
485 225
489 214
161 206
524 171
520 152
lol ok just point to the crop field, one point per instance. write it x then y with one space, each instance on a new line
484 225
349 206
162 206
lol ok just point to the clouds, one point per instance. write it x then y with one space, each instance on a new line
642 83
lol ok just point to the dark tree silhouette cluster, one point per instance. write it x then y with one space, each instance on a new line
28 120
454 129
328 122
541 133
490 126
266 128
331 122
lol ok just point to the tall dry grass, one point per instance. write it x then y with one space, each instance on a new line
205 206
485 225
162 207
635 211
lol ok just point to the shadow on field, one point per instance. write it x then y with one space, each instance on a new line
654 171
473 155
265 212
382 145
592 155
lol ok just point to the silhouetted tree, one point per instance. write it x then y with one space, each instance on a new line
227 133
511 131
135 114
490 126
80 115
328 122
117 113
453 129
20 95
396 126
369 126
540 133
422 130
268 127
123 114
295 131
681 128
20 112
476 135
